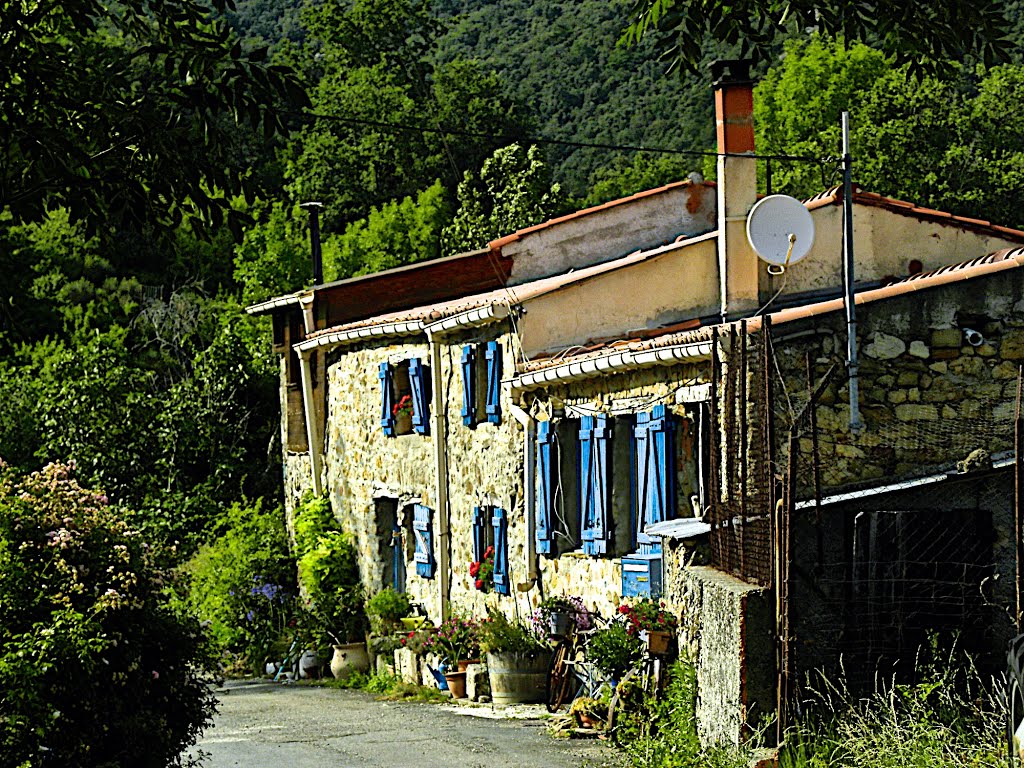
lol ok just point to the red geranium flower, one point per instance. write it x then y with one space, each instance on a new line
489 552
623 609
474 569
479 584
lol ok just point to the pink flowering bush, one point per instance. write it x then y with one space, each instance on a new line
95 668
455 640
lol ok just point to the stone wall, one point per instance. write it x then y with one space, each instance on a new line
728 625
929 396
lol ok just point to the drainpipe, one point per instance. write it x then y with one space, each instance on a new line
529 459
856 423
439 418
312 428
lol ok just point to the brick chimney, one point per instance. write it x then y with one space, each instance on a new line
738 267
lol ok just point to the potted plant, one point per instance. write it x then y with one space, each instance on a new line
652 624
482 571
588 712
613 650
517 660
554 616
386 609
455 643
403 415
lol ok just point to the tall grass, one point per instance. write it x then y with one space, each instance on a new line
949 716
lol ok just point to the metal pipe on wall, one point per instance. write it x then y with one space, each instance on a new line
439 417
856 423
312 427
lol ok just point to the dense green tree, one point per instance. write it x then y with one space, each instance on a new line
513 190
952 144
377 72
116 111
926 37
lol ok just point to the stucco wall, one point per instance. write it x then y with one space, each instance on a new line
885 243
612 232
678 284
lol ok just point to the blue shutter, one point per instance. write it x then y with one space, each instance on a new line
493 356
601 492
418 380
387 417
641 467
544 490
501 579
585 480
480 523
661 458
423 532
469 385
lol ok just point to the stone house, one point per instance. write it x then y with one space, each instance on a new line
559 395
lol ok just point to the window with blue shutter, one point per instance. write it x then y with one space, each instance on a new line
469 385
493 358
585 480
423 532
481 527
595 483
544 502
387 394
501 575
641 467
655 472
601 474
419 381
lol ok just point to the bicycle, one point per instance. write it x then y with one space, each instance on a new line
569 668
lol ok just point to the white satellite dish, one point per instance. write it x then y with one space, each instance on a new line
780 230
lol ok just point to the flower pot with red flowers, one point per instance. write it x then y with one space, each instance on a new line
403 415
482 571
652 624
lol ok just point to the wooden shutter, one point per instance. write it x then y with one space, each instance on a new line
387 398
419 381
493 357
661 462
585 480
480 522
545 488
501 577
601 480
423 531
641 467
469 385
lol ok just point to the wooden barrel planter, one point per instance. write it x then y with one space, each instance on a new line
517 678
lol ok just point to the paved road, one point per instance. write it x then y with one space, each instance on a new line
263 725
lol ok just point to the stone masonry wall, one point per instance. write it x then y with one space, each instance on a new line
929 397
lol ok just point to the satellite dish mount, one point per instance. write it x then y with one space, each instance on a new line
780 231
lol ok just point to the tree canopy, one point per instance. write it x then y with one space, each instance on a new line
926 37
106 104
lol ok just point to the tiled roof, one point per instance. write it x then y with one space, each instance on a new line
693 331
834 196
511 296
496 245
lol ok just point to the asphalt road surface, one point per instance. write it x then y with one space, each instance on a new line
267 725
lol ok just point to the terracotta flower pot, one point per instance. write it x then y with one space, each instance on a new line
456 684
464 664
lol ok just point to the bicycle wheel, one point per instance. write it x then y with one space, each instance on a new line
559 676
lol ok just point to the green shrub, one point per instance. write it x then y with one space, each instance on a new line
96 669
497 634
243 583
388 607
614 650
329 574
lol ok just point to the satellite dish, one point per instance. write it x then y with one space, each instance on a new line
780 230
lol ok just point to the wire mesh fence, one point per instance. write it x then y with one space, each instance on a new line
874 542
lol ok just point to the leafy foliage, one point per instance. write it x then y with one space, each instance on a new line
96 669
243 582
105 105
927 38
952 145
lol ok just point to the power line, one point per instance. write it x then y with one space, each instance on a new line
541 139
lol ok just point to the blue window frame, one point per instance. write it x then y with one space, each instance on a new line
386 374
544 502
469 385
423 531
499 520
492 355
654 472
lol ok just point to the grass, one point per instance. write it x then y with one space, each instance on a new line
948 716
388 687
